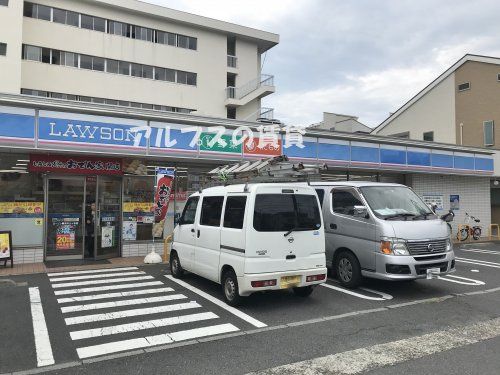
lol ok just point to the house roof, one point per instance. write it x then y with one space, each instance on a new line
437 81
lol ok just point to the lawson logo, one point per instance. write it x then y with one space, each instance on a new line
61 130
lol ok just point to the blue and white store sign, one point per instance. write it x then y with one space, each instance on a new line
17 126
113 135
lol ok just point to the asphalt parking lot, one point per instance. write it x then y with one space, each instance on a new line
100 324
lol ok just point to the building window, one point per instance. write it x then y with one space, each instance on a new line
32 53
231 113
3 49
429 136
103 25
404 135
498 77
489 133
46 55
4 3
464 86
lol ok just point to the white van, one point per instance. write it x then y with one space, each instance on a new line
251 238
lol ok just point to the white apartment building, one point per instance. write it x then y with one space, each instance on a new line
130 53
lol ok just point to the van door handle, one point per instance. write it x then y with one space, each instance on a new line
333 226
198 233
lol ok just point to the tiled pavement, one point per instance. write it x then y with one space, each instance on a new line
30 268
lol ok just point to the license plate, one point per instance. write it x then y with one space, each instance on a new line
431 272
289 281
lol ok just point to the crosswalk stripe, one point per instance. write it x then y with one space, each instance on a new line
98 276
232 310
129 313
91 271
144 342
127 302
148 324
105 288
114 295
44 354
106 281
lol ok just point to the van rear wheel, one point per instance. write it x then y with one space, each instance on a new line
348 270
230 288
304 291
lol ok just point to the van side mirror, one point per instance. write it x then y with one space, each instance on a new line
361 211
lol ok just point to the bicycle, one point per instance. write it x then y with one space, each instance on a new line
468 230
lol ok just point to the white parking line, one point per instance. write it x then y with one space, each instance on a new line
127 302
107 287
138 326
103 270
391 353
129 313
461 280
144 342
478 262
44 356
114 295
384 296
98 276
106 281
483 251
232 310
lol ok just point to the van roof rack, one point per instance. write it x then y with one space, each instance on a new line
275 169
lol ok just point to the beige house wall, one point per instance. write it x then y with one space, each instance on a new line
435 112
478 104
10 65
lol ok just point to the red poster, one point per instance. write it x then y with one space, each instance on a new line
164 179
251 148
75 164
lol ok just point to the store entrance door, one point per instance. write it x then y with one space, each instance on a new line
65 225
83 217
108 221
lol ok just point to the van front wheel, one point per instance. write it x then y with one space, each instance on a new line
175 266
304 291
230 289
348 270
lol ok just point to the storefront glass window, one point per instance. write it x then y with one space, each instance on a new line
21 201
138 217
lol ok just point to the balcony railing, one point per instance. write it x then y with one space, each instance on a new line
239 92
261 114
232 61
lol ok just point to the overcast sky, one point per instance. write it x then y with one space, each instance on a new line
357 57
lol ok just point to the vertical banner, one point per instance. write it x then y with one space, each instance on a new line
164 184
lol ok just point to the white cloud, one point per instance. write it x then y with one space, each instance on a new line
251 13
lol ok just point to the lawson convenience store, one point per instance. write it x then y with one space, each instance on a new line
78 181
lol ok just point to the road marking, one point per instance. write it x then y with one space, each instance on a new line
478 262
107 287
483 251
106 281
461 280
114 295
44 356
391 353
148 324
144 342
232 310
359 295
129 313
127 302
103 270
98 276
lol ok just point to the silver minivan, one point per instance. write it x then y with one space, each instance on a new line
382 231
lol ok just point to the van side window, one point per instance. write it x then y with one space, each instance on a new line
235 212
343 202
189 212
321 195
211 210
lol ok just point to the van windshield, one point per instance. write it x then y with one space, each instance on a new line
284 212
396 203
